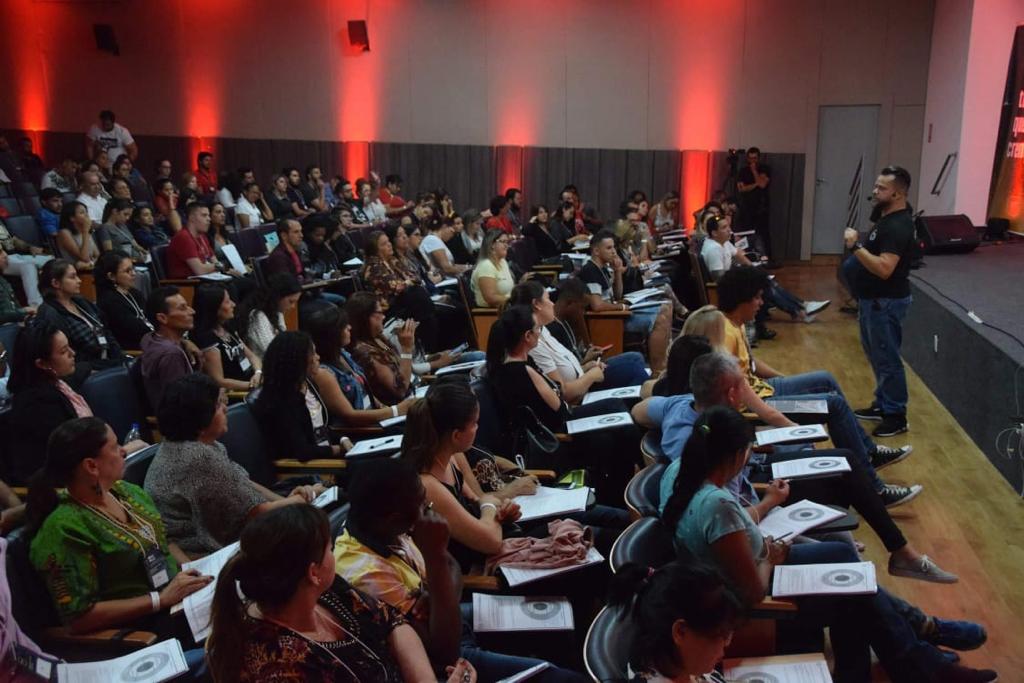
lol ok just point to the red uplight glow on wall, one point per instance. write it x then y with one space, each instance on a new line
695 178
508 168
355 159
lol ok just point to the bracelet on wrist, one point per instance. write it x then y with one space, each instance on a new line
394 411
405 356
154 600
488 505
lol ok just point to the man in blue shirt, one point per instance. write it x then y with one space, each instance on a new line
48 215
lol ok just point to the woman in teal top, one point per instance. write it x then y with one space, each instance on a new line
99 542
710 525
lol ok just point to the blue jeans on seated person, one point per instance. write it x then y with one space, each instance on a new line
336 299
494 666
624 370
843 426
641 321
881 335
860 623
783 300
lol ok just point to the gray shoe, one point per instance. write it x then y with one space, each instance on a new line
923 569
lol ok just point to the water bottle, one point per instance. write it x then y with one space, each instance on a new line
133 434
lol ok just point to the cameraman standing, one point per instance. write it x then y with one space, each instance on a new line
879 275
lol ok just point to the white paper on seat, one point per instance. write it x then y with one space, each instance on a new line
230 252
527 674
421 391
396 420
517 577
448 282
197 606
792 520
809 668
327 497
803 406
460 367
620 392
353 262
517 613
822 466
549 502
592 424
842 578
153 664
801 434
383 444
212 277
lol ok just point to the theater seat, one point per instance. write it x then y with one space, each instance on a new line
643 493
245 445
647 542
113 396
136 465
606 649
650 447
26 228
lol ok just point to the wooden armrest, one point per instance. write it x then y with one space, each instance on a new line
478 310
760 488
564 438
134 353
327 465
477 583
607 314
317 284
542 474
711 284
237 394
20 491
770 604
130 640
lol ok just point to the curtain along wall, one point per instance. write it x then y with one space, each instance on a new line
475 173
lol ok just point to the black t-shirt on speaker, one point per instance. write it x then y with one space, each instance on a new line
893 234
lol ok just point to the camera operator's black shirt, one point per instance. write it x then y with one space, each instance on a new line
893 234
754 200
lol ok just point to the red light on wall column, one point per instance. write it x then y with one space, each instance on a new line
695 179
355 159
508 162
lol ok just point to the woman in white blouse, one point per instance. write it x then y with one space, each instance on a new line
261 315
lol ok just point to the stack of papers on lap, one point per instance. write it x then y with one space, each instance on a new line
460 367
327 497
197 605
598 422
647 304
842 578
230 252
810 668
640 294
153 664
782 435
549 502
620 392
384 444
517 613
805 407
823 466
517 577
792 520
527 674
448 282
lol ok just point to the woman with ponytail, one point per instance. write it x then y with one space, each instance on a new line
99 542
301 622
682 619
711 526
611 454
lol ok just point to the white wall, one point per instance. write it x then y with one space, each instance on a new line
641 74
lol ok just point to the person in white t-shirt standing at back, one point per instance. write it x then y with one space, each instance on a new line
110 136
719 253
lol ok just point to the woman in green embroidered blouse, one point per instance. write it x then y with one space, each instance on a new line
99 542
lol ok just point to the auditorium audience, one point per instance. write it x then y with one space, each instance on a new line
166 354
368 209
23 260
145 230
252 209
99 542
261 314
388 370
166 201
111 137
63 178
51 205
114 234
340 379
314 190
123 306
226 358
11 310
434 251
492 279
559 362
712 527
300 209
316 254
397 553
603 276
92 196
664 215
79 318
292 414
75 241
682 618
203 497
219 231
206 177
278 200
300 620
399 291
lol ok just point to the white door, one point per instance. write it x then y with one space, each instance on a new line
845 173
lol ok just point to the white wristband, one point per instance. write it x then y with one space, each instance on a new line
154 599
405 356
394 411
488 505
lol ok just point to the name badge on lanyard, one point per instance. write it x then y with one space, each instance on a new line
156 568
35 664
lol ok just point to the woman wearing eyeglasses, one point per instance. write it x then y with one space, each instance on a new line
492 279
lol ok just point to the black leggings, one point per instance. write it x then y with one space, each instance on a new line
414 302
851 489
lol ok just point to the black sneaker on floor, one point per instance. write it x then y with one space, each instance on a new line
764 333
891 426
871 414
894 495
883 456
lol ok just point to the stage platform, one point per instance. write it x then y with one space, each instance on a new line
974 369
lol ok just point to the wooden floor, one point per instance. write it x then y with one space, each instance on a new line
968 518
